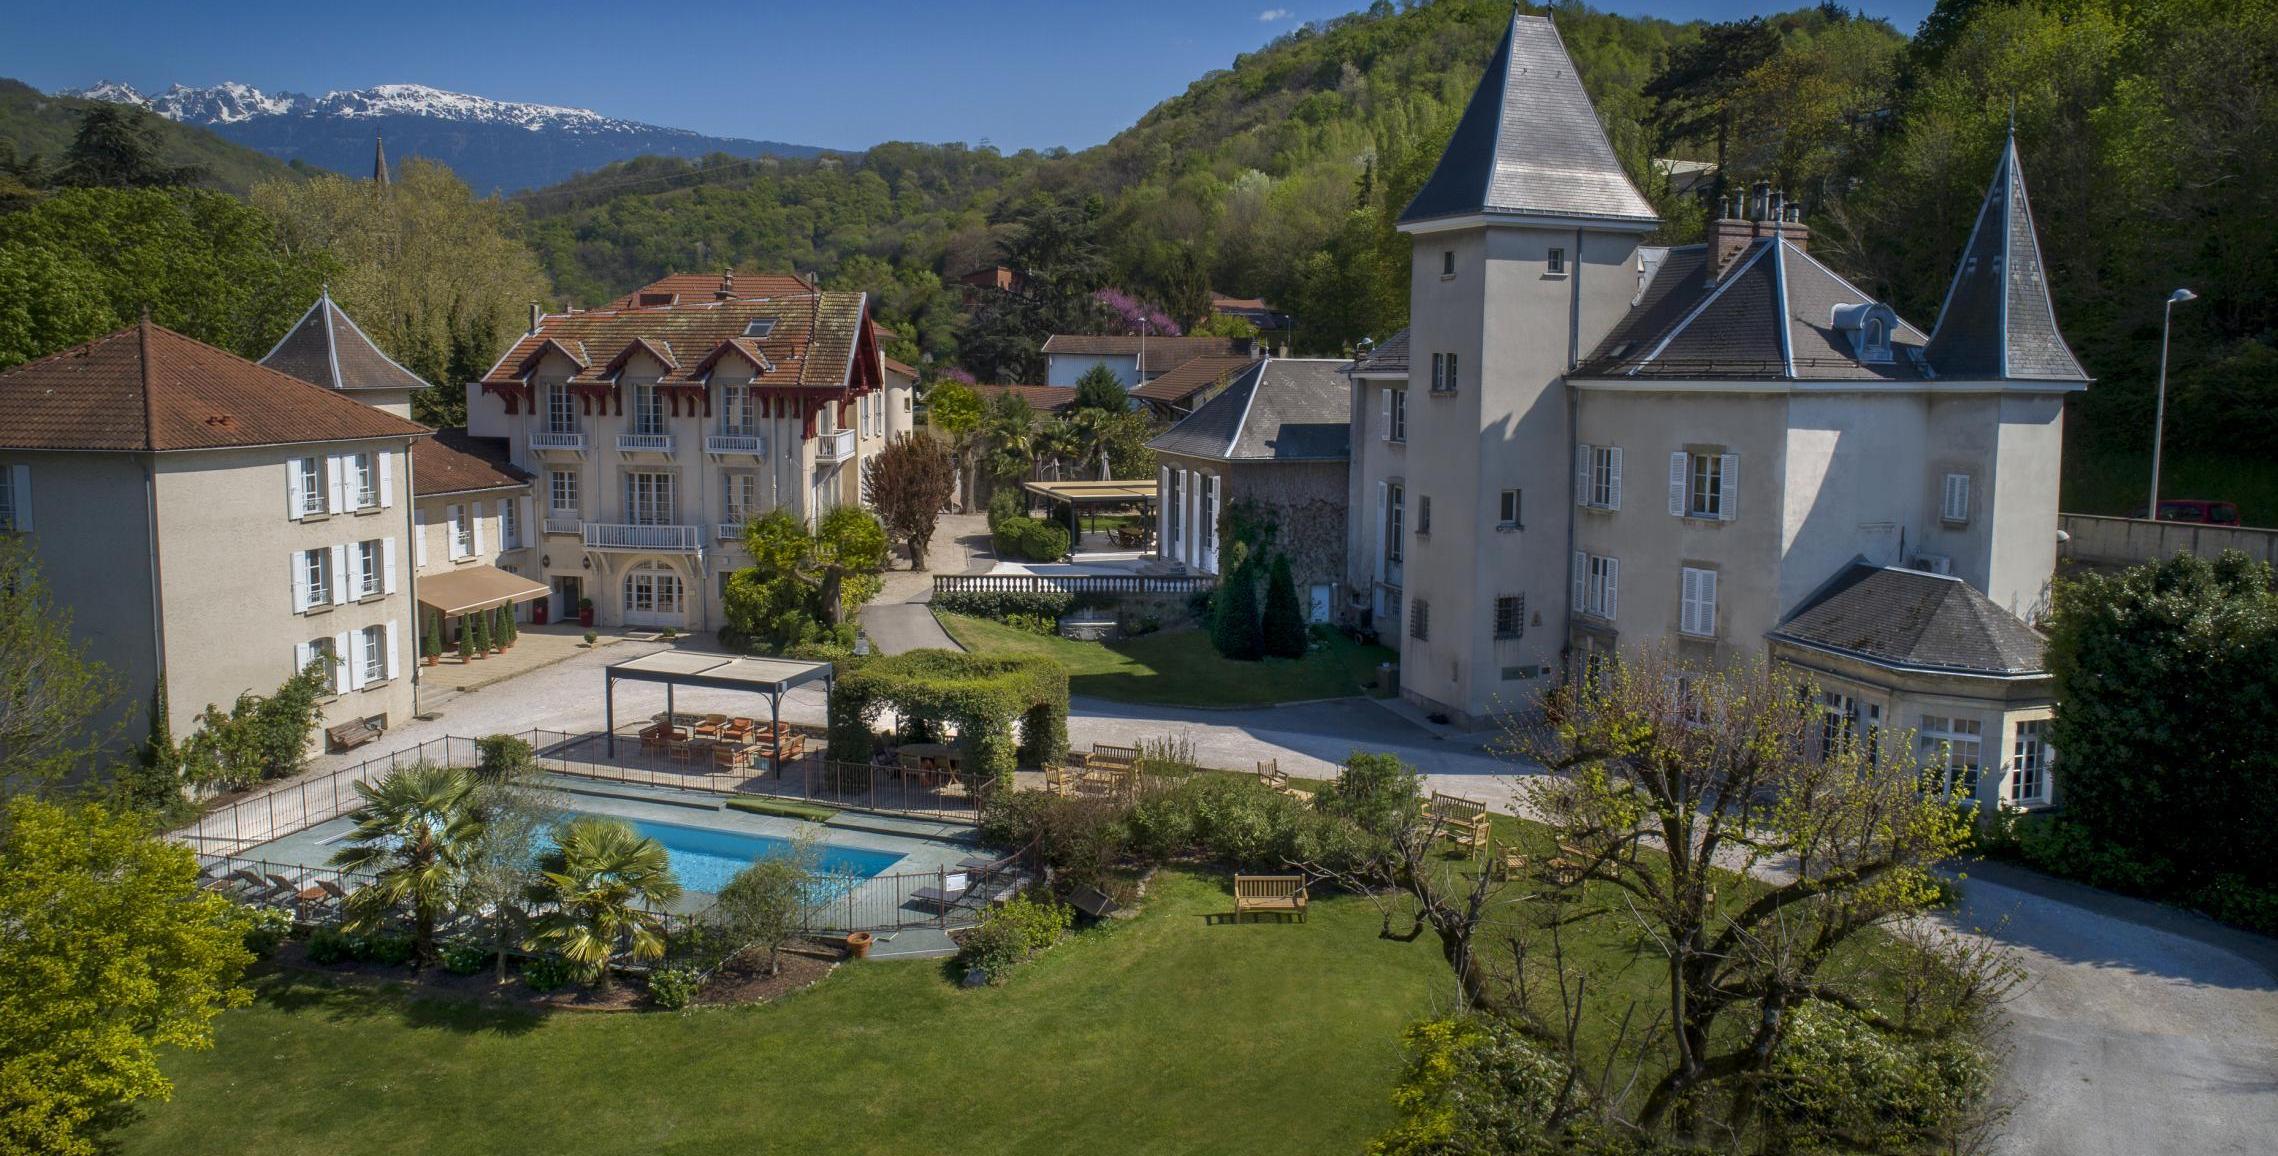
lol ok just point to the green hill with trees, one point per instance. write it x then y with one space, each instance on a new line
36 128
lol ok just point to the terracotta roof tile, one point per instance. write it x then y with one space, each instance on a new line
1163 353
1179 386
689 288
149 388
812 340
454 462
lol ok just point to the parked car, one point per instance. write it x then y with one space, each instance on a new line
2196 510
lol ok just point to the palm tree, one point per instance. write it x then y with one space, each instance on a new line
414 834
603 881
1090 434
1009 432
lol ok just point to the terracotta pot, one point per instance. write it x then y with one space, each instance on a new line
432 659
585 617
858 943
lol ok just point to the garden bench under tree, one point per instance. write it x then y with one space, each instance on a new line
1275 893
1465 821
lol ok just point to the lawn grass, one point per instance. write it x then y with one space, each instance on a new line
1168 1033
787 808
2117 483
1179 668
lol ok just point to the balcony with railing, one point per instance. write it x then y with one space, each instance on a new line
835 447
560 522
644 443
730 531
570 442
752 445
642 537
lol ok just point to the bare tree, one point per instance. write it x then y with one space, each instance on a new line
910 481
1668 782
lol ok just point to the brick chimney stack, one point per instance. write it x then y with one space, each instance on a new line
1741 222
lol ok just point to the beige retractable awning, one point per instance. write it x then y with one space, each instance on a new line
472 588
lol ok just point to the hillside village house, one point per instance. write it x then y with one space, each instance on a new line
214 523
1277 436
1585 447
1068 356
653 432
471 507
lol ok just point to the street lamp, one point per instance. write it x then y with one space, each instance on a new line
2159 419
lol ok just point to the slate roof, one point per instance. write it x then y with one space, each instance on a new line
147 387
1163 353
1389 358
1530 144
1997 321
1771 317
1045 398
1282 410
1914 620
326 347
812 343
1179 386
687 288
455 462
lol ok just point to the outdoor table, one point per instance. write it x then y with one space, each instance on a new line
940 755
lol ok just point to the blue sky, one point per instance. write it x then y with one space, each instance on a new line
847 74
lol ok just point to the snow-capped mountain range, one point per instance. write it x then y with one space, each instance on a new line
490 143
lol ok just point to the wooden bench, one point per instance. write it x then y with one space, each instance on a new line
1276 893
1274 778
1464 821
352 734
1108 757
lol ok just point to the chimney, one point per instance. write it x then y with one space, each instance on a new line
727 289
534 316
1765 212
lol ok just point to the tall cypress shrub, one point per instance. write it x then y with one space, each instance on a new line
1236 632
1284 630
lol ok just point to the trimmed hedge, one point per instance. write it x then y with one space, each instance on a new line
997 605
1031 539
980 695
789 810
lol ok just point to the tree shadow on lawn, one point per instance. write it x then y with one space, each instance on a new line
368 998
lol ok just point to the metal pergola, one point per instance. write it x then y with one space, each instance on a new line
1079 493
773 677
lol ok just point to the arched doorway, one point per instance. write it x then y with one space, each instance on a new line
655 596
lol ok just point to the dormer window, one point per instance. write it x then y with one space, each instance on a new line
650 300
759 327
1869 325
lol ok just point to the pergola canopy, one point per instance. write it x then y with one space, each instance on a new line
772 677
1102 491
471 589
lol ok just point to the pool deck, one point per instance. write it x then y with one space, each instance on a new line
926 846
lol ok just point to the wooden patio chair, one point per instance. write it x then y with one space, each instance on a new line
682 750
728 757
1058 781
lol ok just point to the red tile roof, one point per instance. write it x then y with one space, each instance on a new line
147 387
1163 353
452 462
813 341
1179 385
687 288
896 367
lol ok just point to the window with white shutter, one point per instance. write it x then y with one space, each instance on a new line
1954 500
304 487
1595 580
1697 602
387 480
336 496
387 565
1598 477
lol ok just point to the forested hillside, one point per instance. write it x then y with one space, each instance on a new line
35 127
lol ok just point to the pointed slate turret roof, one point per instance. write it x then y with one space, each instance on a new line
325 347
1530 144
1997 322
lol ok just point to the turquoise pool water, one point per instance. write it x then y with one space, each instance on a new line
705 858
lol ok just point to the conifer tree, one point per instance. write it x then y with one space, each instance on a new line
1284 631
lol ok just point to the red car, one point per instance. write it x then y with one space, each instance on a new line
2196 510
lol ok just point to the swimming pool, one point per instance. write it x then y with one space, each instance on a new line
705 858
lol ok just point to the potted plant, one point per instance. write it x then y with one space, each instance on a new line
480 635
513 632
590 639
466 638
499 616
431 642
539 610
585 612
858 944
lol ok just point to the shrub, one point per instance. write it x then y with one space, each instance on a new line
786 808
591 637
1476 1085
1034 624
1002 605
504 757
330 945
265 928
464 958
1283 632
392 950
672 988
546 973
1838 1084
1032 539
1236 631
1005 505
1012 933
1377 791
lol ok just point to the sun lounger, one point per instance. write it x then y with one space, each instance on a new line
1093 902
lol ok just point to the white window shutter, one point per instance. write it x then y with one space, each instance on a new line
1679 463
418 537
1384 414
387 478
387 565
1728 497
362 641
1613 488
474 514
303 654
529 520
1708 602
1381 487
1613 584
299 561
395 648
343 645
1162 511
294 492
335 501
339 575
1689 601
505 515
451 516
1581 581
1582 457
